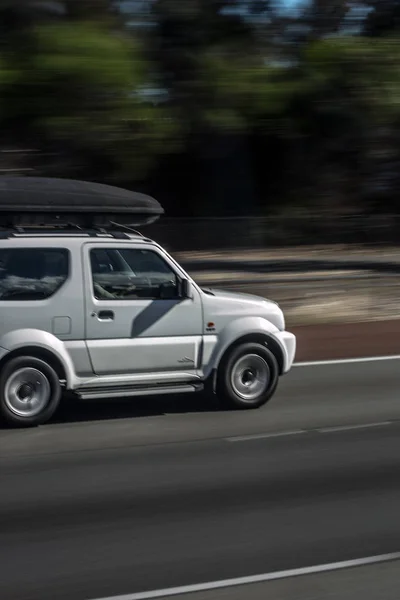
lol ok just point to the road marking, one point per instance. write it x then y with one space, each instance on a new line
263 436
330 429
344 361
224 583
350 427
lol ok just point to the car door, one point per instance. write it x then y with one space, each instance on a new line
135 321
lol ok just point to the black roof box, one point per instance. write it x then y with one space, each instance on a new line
49 201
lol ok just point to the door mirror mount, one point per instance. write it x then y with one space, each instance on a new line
185 288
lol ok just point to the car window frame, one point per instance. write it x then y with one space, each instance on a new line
67 252
121 250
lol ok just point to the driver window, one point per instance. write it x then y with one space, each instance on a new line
128 274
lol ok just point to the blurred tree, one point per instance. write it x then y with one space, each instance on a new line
80 89
21 15
326 18
18 16
383 17
204 52
223 106
344 124
91 9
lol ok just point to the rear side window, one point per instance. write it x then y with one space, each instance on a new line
32 273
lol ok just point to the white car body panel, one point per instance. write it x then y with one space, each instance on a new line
147 341
156 335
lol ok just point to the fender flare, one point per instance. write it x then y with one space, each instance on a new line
241 328
42 340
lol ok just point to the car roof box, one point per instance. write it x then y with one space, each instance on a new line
42 201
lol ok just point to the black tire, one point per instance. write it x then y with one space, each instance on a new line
37 397
262 372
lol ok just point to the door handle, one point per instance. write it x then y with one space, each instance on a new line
105 315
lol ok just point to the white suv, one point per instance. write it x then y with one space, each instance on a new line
109 314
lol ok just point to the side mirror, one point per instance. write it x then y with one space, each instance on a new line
168 291
185 288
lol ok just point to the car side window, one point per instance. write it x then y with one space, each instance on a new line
32 273
129 274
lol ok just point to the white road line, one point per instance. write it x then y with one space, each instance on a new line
344 361
350 427
263 436
329 429
224 583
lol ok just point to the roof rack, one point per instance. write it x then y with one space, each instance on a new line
127 228
65 230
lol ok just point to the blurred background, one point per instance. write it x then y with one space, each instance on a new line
258 124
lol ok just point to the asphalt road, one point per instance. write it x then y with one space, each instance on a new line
117 498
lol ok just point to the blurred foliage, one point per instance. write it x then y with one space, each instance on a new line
222 106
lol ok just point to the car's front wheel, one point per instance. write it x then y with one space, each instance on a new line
30 391
247 376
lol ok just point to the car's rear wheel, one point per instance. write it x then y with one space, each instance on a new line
30 391
247 376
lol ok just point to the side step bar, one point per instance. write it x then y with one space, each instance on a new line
95 393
